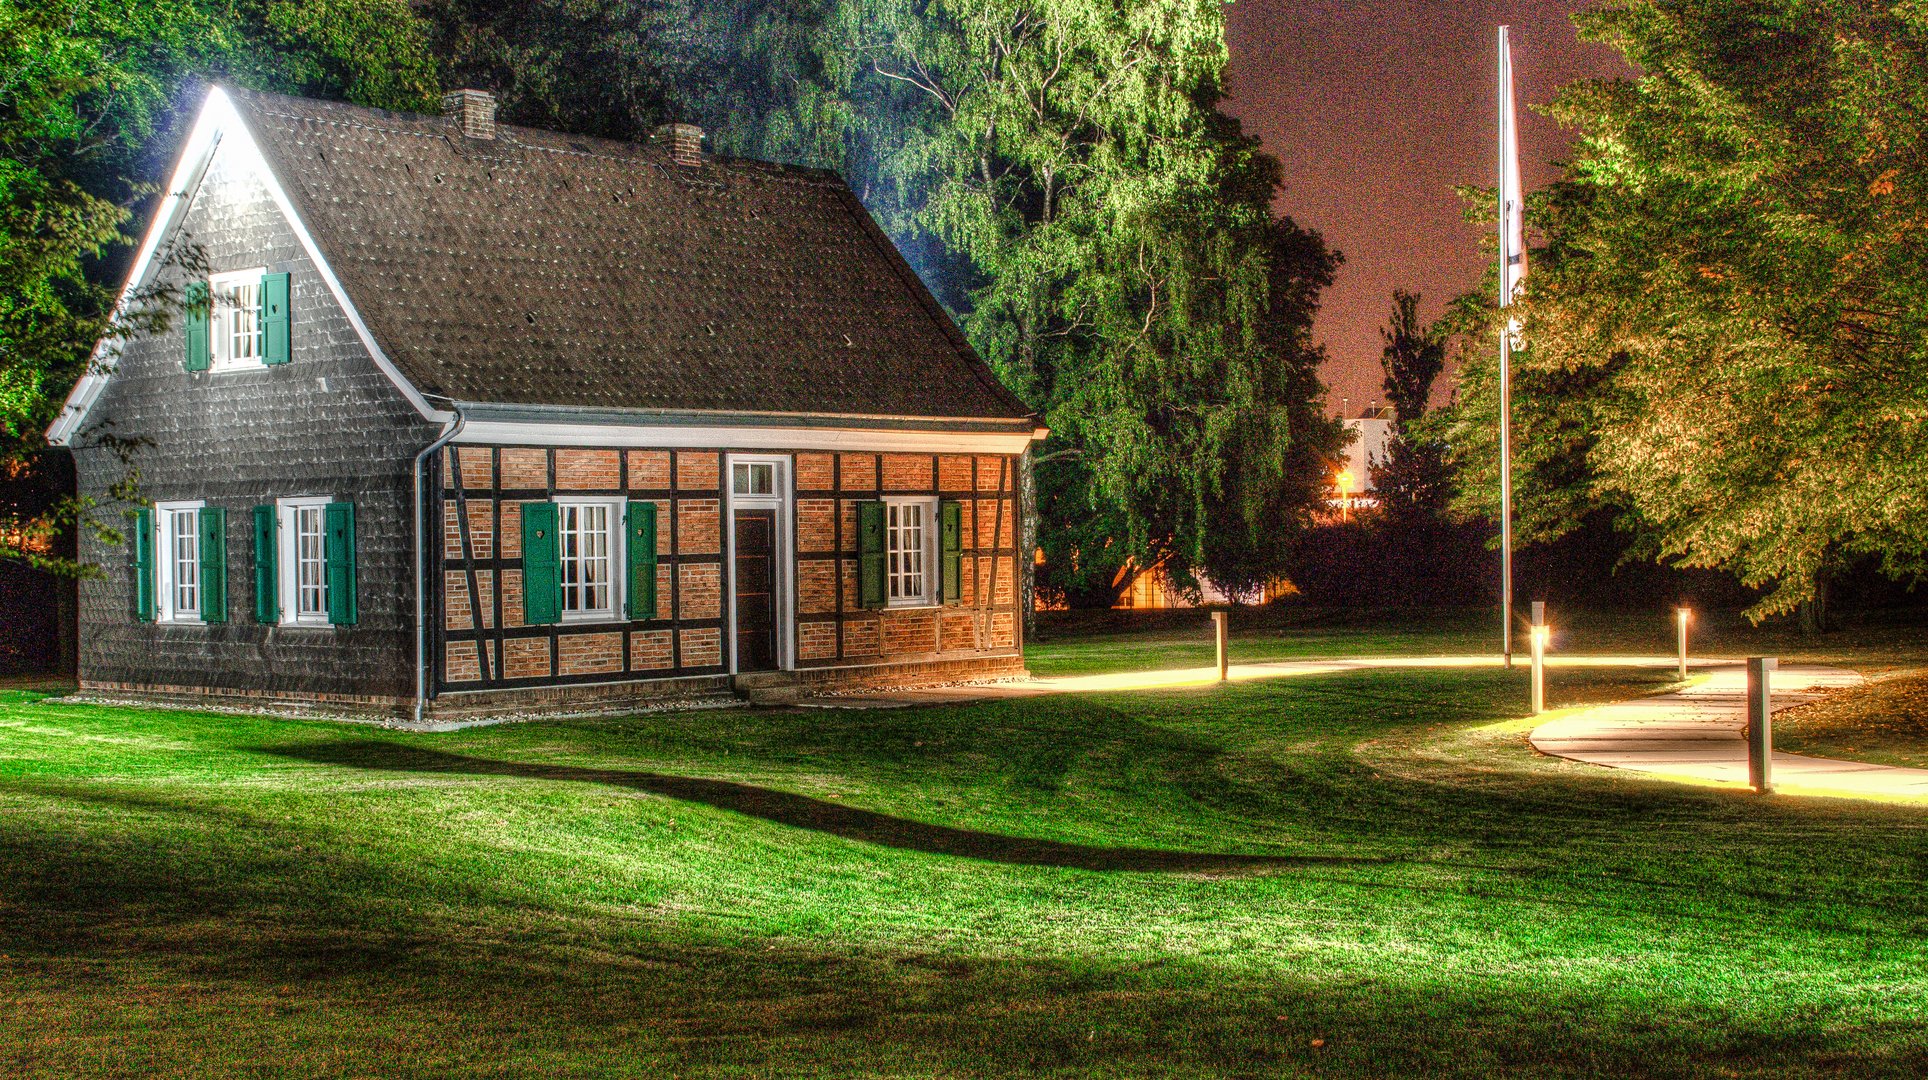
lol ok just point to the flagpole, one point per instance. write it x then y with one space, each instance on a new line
1506 357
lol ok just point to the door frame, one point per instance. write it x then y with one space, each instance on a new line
785 555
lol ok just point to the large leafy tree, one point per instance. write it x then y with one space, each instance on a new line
92 99
1726 336
1107 237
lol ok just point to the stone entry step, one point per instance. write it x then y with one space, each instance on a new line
768 687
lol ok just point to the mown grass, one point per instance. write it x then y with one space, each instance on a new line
1885 722
1355 875
1085 643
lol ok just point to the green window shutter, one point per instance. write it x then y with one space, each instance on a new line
640 550
195 317
338 543
274 319
541 565
873 591
143 539
267 582
951 544
214 564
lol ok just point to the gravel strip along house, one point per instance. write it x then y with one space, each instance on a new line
462 419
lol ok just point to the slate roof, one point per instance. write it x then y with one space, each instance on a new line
556 270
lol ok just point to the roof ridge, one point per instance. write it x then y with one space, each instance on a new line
640 152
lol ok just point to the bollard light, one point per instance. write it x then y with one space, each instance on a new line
1682 616
1541 634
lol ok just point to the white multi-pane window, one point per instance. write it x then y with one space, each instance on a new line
178 567
589 540
910 530
234 318
304 560
311 564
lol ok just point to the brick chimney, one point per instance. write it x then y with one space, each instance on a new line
472 110
685 142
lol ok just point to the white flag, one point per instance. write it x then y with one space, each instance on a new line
1512 195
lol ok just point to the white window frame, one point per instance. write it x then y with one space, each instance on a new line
288 558
893 506
617 555
165 515
221 316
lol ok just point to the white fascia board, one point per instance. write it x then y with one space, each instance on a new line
181 186
755 437
220 122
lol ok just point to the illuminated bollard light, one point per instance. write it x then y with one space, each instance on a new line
1760 727
1540 635
1222 634
1683 616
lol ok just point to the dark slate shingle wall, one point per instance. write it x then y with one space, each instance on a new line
329 423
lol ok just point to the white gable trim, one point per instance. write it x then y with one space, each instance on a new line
220 122
747 437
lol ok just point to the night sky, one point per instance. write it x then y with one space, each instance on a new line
1377 108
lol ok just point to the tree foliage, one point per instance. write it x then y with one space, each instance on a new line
92 98
1414 482
1726 332
1106 236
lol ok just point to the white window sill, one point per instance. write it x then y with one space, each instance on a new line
176 621
307 624
591 618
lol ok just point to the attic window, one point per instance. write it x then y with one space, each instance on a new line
235 318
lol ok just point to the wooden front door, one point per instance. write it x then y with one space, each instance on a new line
756 594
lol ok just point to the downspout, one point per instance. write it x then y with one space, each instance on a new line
421 590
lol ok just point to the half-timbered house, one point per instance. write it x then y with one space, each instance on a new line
461 419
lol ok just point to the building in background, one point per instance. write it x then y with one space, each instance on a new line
1371 443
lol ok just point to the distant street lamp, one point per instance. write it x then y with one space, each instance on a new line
1344 484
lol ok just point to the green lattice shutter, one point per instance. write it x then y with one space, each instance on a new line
872 587
194 316
214 564
274 319
640 549
541 565
267 582
951 546
143 542
338 544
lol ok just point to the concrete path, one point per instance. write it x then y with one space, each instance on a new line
1697 735
1204 676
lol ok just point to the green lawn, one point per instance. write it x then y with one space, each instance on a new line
1885 722
1084 643
1347 875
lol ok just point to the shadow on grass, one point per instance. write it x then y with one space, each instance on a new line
803 812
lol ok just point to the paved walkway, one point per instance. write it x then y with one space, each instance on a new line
1204 676
1698 734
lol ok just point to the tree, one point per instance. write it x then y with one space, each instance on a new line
1106 237
1726 334
1414 481
93 98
